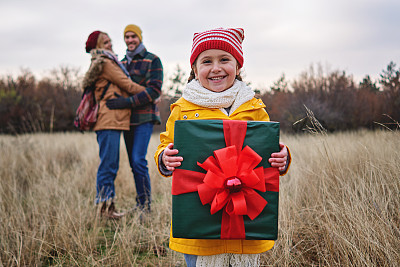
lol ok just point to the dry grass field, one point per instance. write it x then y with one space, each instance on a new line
339 204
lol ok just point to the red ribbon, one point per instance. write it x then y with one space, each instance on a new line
230 181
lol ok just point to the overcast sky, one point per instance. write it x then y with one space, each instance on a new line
358 36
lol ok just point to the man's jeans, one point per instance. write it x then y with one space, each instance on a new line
109 142
137 141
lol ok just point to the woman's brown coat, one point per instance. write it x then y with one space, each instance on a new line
103 70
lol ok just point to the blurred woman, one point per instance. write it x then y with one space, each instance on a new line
109 78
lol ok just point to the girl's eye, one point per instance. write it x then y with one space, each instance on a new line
207 61
225 59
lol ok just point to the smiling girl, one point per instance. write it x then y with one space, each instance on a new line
215 90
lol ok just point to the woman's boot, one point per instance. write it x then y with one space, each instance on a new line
110 212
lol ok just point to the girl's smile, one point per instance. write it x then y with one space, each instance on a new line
217 78
216 70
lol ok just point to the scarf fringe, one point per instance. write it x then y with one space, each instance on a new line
229 259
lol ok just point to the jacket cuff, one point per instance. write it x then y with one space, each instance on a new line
288 161
161 167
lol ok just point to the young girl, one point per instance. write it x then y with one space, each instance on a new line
215 91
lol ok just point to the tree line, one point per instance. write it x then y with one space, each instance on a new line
337 102
28 104
332 99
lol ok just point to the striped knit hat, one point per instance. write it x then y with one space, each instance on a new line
229 40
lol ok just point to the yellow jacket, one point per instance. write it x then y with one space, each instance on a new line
252 110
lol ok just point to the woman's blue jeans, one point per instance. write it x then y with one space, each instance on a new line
137 141
109 142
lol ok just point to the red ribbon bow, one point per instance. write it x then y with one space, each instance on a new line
229 185
230 182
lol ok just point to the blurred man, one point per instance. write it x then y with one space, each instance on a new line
145 69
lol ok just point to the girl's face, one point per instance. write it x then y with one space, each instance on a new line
216 70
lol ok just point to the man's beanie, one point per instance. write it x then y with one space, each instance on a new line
135 29
91 42
229 40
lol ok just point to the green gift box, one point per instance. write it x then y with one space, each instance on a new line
225 187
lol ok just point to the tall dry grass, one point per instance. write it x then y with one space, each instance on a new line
339 204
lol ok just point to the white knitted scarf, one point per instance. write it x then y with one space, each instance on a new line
232 97
229 259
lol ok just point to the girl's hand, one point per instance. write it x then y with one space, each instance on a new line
169 159
278 160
